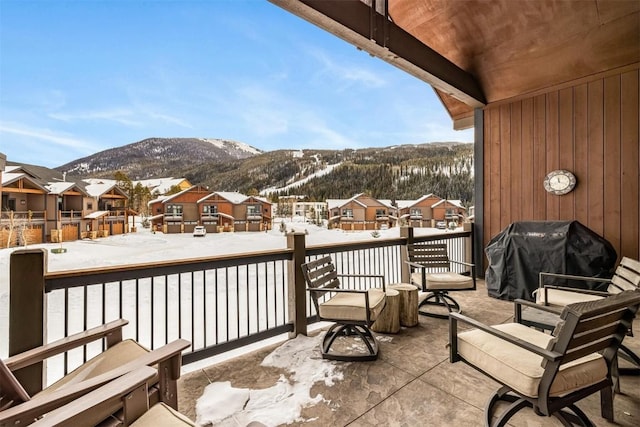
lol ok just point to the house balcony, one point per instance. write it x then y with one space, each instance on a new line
254 217
411 383
382 217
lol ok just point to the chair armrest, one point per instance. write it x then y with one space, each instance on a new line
39 405
415 264
369 276
543 274
457 317
112 331
96 406
353 291
468 264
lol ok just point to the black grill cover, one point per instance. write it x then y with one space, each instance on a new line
524 249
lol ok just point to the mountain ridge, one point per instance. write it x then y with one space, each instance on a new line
394 172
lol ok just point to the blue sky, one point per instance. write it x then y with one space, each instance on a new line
78 77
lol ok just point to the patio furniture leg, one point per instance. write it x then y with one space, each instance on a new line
440 299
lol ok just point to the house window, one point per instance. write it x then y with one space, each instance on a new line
415 212
174 210
381 212
89 206
253 210
347 213
210 209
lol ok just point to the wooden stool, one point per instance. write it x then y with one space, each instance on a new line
388 322
408 303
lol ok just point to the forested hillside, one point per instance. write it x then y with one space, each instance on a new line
398 173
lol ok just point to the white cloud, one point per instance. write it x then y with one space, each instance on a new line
118 115
45 135
346 72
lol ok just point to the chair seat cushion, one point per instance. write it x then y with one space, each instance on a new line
559 297
162 415
351 306
445 280
113 357
522 370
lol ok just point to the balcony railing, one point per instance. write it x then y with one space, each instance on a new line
216 303
23 216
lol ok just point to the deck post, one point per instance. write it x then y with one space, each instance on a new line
469 244
297 288
27 268
406 232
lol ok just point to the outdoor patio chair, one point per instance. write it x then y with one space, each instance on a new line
353 311
549 373
119 357
123 401
430 269
626 277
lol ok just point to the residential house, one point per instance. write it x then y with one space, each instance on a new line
69 200
106 210
24 208
418 213
217 211
361 212
40 205
233 211
449 211
177 213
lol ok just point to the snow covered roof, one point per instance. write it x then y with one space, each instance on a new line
161 185
456 203
60 187
96 214
9 177
403 204
97 190
232 196
100 181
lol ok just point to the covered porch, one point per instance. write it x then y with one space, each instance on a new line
412 382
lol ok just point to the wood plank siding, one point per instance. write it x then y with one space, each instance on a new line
590 128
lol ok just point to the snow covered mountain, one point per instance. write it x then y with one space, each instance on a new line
157 157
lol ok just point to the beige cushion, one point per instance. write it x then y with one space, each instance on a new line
161 415
111 358
446 280
351 306
522 370
561 298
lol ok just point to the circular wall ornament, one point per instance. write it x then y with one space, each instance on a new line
559 182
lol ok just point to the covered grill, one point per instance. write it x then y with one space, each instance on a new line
524 249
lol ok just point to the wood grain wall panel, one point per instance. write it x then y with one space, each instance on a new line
595 141
566 151
630 162
494 189
581 164
592 129
612 159
527 159
553 149
539 155
505 166
516 161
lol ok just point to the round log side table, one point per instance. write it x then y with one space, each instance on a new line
388 321
408 303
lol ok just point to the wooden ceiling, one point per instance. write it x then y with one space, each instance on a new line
505 48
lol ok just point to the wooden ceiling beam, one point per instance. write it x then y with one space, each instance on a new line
358 24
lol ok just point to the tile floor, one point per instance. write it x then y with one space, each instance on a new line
411 384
